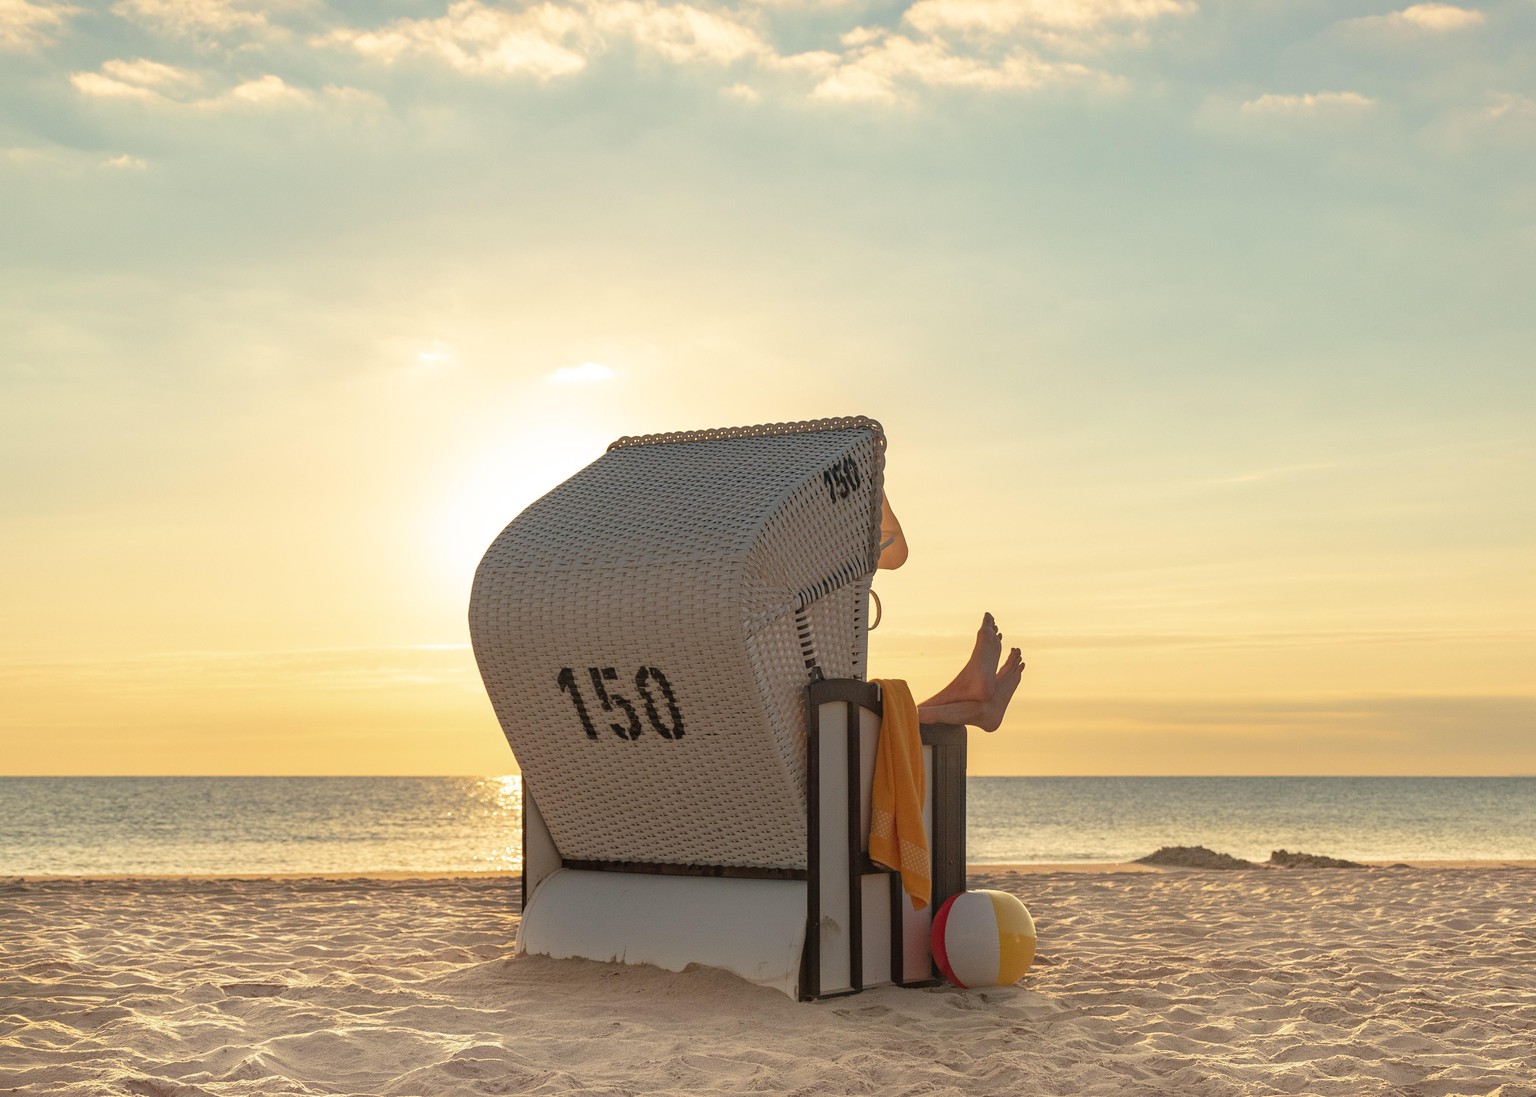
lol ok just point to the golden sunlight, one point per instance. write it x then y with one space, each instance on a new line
588 373
494 486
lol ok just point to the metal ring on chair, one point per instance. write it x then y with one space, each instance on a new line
879 610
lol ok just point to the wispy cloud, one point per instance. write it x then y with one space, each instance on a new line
1511 106
344 669
1331 103
1344 734
401 709
1502 119
551 40
1289 639
149 74
202 18
1279 473
938 43
884 67
100 86
1424 726
61 159
909 642
1420 18
478 40
165 85
1439 17
1056 20
588 373
25 25
264 91
141 79
988 45
681 33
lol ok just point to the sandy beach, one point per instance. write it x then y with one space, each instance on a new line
1417 982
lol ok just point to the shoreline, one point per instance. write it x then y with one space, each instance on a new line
1082 868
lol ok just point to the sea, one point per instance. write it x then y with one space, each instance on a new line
256 825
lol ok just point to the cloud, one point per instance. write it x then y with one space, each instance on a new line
1298 639
879 66
1063 26
588 373
807 5
1000 18
1508 106
25 25
1322 102
551 40
1282 472
987 45
1394 733
149 74
147 81
38 156
195 18
1434 18
165 85
99 86
1503 119
1416 724
436 354
264 91
343 669
479 40
680 33
1438 17
64 160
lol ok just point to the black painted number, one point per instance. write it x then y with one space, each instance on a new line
646 679
567 680
841 478
631 728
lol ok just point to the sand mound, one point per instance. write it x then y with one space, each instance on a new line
1281 858
1193 857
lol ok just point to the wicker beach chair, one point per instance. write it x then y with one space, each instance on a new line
674 642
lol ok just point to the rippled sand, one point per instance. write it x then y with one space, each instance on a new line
1383 981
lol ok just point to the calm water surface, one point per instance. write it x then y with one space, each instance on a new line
70 825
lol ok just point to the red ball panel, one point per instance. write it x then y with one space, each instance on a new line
936 940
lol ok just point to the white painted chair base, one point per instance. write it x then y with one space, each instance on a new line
751 928
841 925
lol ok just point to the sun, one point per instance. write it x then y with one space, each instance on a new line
496 484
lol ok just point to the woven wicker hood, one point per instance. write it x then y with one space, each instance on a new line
646 631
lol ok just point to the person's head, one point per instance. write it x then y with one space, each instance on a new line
893 543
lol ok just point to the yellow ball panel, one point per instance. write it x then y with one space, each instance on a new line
1017 953
1015 937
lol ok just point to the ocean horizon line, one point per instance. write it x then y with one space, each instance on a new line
998 776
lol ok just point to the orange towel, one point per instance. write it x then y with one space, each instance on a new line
896 836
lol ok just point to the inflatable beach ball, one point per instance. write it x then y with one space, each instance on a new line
983 939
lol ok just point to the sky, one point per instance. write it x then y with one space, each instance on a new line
1201 334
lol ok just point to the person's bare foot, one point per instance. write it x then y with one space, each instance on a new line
1005 682
977 680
